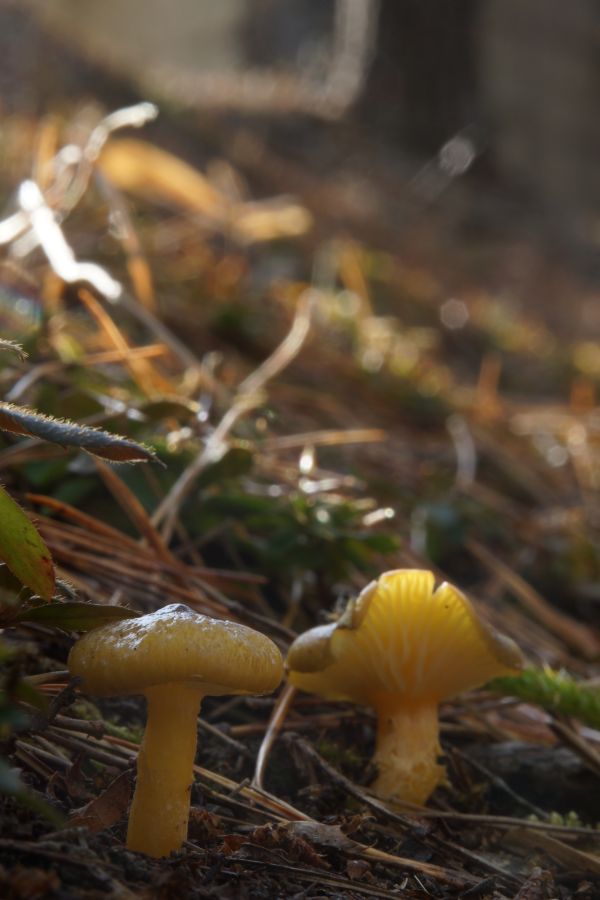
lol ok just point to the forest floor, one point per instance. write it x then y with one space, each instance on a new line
334 392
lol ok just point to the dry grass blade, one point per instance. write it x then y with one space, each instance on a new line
286 351
140 168
137 264
89 523
136 513
55 677
315 876
156 585
574 634
452 877
280 711
589 756
46 147
325 438
146 376
181 351
497 821
214 449
61 537
352 789
575 860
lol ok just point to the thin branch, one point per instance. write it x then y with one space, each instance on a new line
248 396
50 237
280 711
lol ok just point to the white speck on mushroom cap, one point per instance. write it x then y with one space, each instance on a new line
176 644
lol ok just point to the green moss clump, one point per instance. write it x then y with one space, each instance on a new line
554 691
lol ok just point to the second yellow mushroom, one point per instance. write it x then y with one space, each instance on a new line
402 647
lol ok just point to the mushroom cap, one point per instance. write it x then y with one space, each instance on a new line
401 637
176 644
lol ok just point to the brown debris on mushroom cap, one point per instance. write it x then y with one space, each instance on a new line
402 637
176 644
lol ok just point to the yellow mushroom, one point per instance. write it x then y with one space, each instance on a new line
174 657
402 647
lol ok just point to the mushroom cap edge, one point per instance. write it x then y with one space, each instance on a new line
361 656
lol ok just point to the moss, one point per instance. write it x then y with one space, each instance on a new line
554 691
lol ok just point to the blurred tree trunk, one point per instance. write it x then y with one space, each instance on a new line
422 87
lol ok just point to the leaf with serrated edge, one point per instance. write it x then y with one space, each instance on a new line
19 420
23 550
13 347
75 616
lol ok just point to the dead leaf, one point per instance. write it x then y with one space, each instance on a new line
232 843
142 169
323 835
107 809
276 837
356 869
74 780
203 826
539 886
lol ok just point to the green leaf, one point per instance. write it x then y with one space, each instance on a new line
23 550
75 616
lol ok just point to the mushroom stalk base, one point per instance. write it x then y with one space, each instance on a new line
158 819
406 751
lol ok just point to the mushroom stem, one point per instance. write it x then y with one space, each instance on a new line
158 819
406 751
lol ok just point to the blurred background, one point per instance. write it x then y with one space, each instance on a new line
462 135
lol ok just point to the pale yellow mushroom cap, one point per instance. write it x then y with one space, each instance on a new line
402 637
176 645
